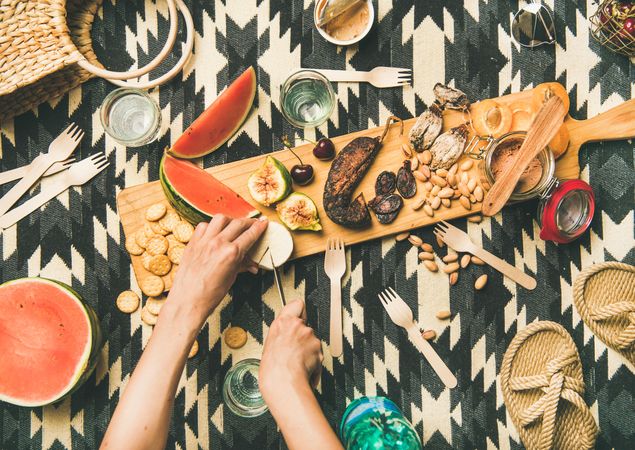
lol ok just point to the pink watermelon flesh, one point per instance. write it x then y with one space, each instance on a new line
45 341
220 120
204 192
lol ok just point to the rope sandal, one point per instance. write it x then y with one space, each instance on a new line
541 379
604 295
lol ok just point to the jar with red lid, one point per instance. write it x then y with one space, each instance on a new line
566 207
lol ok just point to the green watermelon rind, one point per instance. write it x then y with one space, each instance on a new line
90 362
187 210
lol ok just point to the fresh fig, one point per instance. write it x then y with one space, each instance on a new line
271 183
298 212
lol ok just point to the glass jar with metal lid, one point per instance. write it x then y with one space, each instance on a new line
566 207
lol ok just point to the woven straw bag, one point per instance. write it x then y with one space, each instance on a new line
39 49
46 50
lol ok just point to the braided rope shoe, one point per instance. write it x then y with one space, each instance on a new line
542 384
604 295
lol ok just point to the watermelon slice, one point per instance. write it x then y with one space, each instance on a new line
49 341
197 195
220 120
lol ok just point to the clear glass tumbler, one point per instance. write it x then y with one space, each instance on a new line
131 117
240 389
307 99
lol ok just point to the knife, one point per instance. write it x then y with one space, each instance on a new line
276 276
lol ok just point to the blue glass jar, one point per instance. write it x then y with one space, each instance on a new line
377 423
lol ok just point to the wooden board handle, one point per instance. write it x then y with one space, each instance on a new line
616 123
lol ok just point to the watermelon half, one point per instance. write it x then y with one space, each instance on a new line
49 341
197 195
220 120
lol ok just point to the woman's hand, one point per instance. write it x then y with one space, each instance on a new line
291 355
210 263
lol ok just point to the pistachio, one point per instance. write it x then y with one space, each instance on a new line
435 203
435 190
414 163
453 169
427 247
486 185
450 257
446 202
402 236
454 278
428 186
466 165
438 180
426 170
431 266
442 173
428 210
443 315
426 256
426 157
440 242
415 240
418 204
472 198
464 177
465 261
480 282
465 202
452 267
407 151
478 261
451 179
446 192
429 335
456 195
419 176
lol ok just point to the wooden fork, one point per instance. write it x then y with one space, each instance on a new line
461 242
381 77
335 267
401 314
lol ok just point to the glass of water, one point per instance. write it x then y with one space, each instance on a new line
131 117
240 389
307 99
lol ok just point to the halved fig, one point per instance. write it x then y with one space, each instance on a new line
271 183
545 91
490 118
298 212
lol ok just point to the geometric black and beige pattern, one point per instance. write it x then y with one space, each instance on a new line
77 237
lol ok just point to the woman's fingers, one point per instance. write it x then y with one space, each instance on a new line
235 228
249 237
216 225
293 309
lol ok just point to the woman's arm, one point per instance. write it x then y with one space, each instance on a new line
212 259
291 358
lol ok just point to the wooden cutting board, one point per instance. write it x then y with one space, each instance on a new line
618 123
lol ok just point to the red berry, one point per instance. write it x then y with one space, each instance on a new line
629 26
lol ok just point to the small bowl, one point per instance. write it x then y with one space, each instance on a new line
319 4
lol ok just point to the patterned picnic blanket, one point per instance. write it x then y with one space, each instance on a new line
77 238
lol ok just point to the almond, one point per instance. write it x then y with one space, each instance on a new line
428 210
443 315
440 242
486 185
456 195
427 247
464 177
451 179
453 169
446 192
465 261
435 190
454 278
480 282
426 170
464 190
435 203
438 180
426 256
443 173
429 335
471 185
472 198
415 240
478 261
431 266
478 194
446 202
475 219
466 165
426 157
450 257
419 176
428 186
452 267
405 148
414 163
465 202
418 204
402 236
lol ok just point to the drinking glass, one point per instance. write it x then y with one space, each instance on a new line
307 99
240 389
131 117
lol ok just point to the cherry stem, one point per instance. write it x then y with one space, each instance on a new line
287 143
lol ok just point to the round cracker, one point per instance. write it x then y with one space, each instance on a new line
141 238
172 241
160 265
147 229
152 285
170 221
128 302
168 280
148 317
145 260
157 245
235 337
175 253
157 228
154 304
132 247
183 232
193 350
155 212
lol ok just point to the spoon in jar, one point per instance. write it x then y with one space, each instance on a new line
540 133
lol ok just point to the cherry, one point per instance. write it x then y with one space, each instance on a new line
300 173
629 26
324 149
